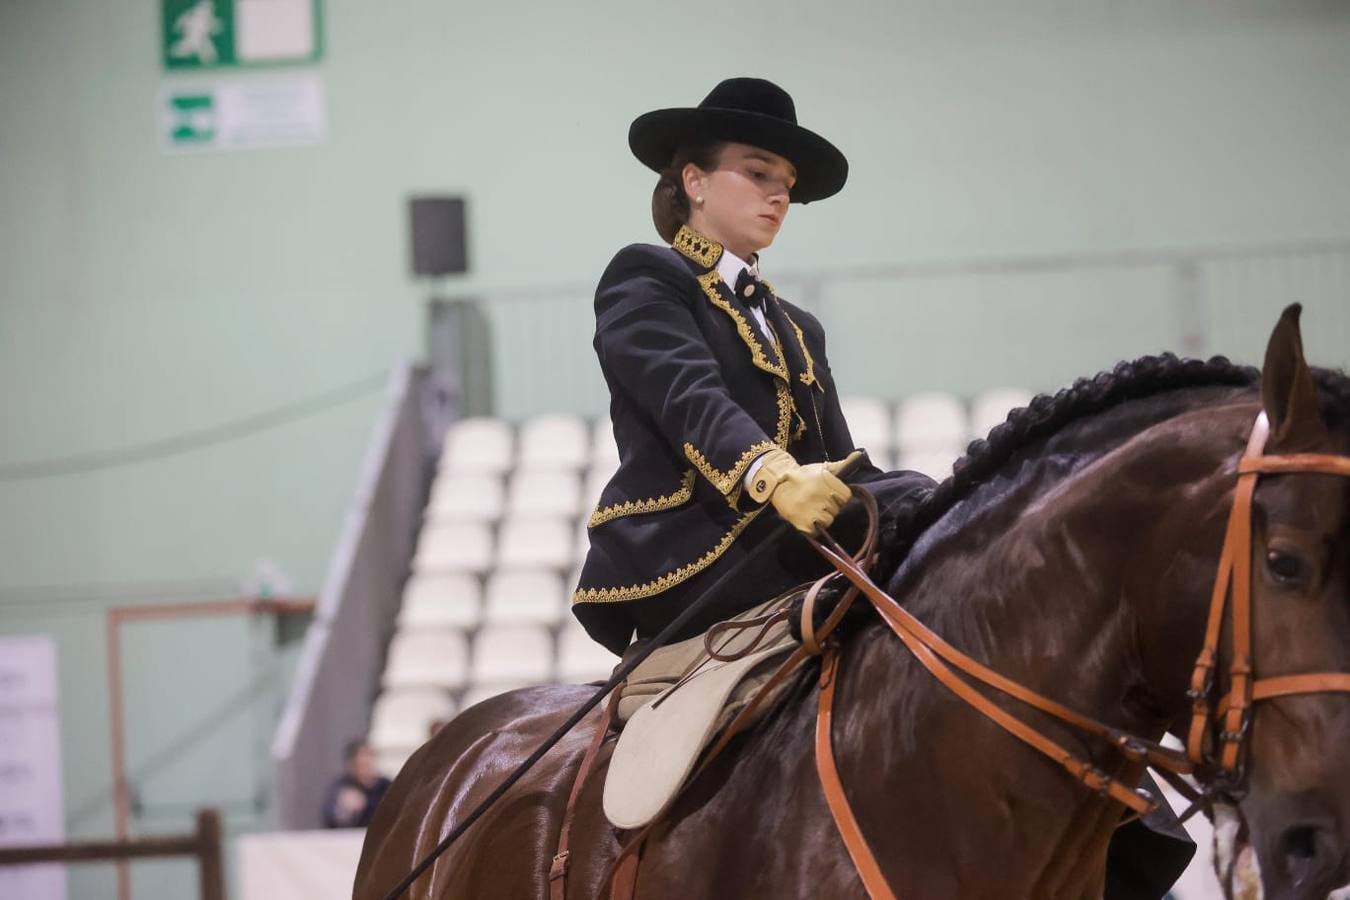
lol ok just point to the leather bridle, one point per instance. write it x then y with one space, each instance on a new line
1235 579
1223 773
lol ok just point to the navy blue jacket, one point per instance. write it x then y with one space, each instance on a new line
697 394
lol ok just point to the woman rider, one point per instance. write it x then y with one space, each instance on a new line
721 396
723 404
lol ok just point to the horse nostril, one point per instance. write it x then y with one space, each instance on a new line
1299 848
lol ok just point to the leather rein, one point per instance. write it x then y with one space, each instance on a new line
1224 770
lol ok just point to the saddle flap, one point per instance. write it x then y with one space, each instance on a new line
662 740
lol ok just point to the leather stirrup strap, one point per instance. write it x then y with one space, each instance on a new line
557 872
863 860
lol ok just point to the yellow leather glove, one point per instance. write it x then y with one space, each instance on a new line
808 497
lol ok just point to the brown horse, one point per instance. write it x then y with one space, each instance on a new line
1073 551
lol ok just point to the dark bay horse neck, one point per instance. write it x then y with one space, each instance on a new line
1081 571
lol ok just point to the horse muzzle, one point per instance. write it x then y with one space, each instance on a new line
1306 858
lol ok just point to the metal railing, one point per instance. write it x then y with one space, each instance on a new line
205 845
340 664
967 326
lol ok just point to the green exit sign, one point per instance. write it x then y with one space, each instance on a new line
214 34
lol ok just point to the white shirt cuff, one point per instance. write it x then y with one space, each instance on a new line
754 467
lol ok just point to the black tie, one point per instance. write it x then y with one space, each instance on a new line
751 290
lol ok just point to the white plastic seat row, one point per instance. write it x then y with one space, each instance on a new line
517 654
466 497
555 442
454 600
991 409
405 717
869 423
480 497
445 600
427 658
479 692
936 462
478 444
580 658
927 421
469 547
512 654
482 444
930 420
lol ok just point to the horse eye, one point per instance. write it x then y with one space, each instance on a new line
1284 567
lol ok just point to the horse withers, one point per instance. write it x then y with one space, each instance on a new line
1073 551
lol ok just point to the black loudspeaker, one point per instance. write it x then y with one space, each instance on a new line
438 236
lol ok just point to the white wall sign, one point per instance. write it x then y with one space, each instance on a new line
237 114
31 807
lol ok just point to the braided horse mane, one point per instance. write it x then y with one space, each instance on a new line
1047 414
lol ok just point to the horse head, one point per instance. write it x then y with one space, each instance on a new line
1297 802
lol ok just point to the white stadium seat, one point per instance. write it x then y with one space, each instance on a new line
869 424
478 445
512 654
554 442
882 459
583 539
524 597
545 493
991 409
427 659
453 547
536 543
928 421
596 480
404 718
480 692
466 497
389 760
936 463
604 451
580 658
441 600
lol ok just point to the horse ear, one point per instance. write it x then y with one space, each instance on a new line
1287 390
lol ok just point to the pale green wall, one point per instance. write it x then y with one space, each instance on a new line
144 295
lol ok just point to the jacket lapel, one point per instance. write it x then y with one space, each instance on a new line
799 359
762 351
705 252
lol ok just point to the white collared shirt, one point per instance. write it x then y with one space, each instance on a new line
729 268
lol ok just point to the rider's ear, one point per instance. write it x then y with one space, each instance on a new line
1287 390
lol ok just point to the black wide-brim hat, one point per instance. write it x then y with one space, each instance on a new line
747 111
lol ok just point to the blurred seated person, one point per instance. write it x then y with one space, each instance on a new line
355 794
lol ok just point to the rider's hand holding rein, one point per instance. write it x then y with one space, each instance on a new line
809 496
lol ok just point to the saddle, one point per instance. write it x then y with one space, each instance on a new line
680 698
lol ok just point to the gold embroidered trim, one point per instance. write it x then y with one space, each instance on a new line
786 407
655 504
670 579
701 249
709 282
809 376
726 481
